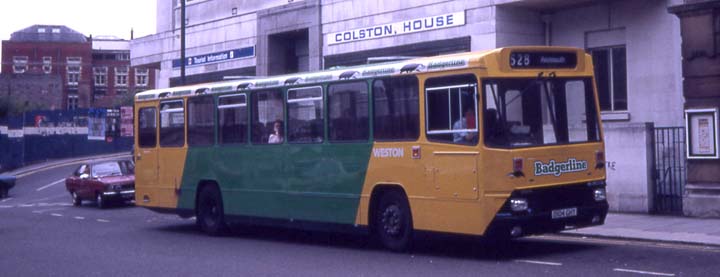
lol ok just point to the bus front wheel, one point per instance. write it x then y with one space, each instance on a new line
210 215
393 221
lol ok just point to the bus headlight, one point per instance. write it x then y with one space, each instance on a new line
600 194
518 204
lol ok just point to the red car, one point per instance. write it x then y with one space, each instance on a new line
103 182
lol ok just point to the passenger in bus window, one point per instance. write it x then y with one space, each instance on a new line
466 123
276 136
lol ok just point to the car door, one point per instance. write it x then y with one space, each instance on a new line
72 181
82 183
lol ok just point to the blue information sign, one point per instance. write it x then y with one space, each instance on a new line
227 55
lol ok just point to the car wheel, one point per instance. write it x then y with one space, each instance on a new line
76 199
393 221
100 201
210 215
3 192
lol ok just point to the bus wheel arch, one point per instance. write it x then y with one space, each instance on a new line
390 217
209 210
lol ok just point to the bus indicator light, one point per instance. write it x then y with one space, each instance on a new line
517 167
416 152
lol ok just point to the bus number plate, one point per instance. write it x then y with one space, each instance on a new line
564 213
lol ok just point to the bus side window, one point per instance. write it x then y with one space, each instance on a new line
396 109
232 119
147 129
172 123
348 112
305 115
201 122
267 109
452 109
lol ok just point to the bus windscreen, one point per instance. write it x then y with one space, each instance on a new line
539 111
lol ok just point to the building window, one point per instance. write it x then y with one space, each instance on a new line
47 64
611 77
122 56
141 77
72 102
100 74
73 75
20 64
121 76
74 60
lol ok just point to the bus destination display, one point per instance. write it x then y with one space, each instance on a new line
543 60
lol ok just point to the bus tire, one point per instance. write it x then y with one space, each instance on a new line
393 221
210 214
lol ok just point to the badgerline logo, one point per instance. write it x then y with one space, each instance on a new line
557 169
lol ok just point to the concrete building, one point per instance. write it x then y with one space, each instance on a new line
700 25
636 46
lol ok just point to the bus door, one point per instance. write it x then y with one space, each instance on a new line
171 154
451 109
146 148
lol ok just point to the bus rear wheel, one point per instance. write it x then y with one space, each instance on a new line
393 221
210 215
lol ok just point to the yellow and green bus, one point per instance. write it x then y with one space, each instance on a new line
501 143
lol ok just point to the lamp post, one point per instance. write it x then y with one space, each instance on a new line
182 42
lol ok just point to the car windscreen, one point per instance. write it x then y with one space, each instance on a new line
106 169
526 112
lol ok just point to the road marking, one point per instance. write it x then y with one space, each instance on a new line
50 185
53 214
103 220
539 262
6 199
79 218
643 272
26 205
47 210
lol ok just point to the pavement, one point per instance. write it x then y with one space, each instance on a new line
632 226
29 169
658 228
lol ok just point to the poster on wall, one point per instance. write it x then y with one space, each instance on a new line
96 128
126 121
702 133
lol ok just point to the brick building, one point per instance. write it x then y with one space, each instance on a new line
114 81
93 72
52 50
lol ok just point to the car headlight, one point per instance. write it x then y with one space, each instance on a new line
600 194
518 204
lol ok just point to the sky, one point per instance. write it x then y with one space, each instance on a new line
89 17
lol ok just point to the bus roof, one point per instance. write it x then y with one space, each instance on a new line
426 64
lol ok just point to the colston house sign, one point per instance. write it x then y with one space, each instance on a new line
398 28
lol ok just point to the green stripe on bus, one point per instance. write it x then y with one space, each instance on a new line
313 182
